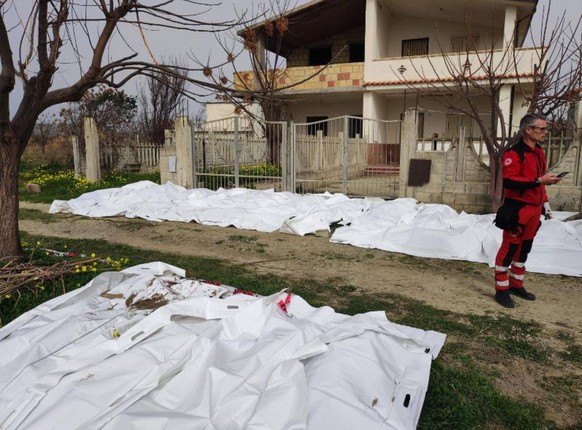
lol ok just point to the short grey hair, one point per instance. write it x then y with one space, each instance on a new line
529 119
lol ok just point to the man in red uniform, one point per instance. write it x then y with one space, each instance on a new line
524 182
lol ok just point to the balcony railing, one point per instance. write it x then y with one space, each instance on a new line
429 69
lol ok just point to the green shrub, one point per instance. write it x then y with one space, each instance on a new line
261 169
58 183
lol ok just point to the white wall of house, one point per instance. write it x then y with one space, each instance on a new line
220 115
407 27
436 119
325 104
219 111
382 108
520 106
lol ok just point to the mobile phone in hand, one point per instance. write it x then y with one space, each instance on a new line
561 175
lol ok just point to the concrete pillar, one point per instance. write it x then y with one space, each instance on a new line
376 37
407 149
370 37
368 108
509 26
168 159
76 156
260 60
373 108
184 153
93 172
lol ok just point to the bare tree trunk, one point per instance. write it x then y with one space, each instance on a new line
273 112
496 183
273 135
9 165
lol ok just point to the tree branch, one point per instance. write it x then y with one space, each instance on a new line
7 75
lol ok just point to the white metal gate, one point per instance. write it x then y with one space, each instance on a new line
235 152
352 155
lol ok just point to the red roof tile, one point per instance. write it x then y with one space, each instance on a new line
442 80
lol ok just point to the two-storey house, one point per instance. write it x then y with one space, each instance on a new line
380 57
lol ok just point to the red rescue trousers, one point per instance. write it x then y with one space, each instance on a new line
515 247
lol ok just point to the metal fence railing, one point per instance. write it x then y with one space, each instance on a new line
352 155
228 153
147 154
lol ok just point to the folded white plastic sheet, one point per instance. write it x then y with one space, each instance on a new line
401 225
206 356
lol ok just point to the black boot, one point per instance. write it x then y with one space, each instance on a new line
504 299
521 292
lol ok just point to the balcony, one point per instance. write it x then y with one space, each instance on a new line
402 72
336 77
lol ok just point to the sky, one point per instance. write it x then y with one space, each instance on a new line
166 43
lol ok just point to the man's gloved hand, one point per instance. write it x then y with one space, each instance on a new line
547 211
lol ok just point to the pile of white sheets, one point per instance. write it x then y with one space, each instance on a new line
206 356
401 225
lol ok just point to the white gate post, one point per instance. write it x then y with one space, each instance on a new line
185 177
236 154
76 156
92 149
407 148
283 154
292 166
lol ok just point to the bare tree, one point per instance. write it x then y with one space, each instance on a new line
263 87
114 111
31 50
159 100
45 131
472 74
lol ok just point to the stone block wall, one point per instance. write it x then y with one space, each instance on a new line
567 195
471 193
340 74
335 76
459 179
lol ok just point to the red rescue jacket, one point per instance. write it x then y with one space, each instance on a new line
522 166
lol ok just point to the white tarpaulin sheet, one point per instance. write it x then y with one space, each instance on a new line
206 356
401 225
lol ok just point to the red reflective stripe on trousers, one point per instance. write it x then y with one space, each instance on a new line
529 218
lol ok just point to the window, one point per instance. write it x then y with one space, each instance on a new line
355 126
357 52
315 125
464 43
412 47
319 56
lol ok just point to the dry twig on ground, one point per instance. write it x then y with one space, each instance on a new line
16 276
